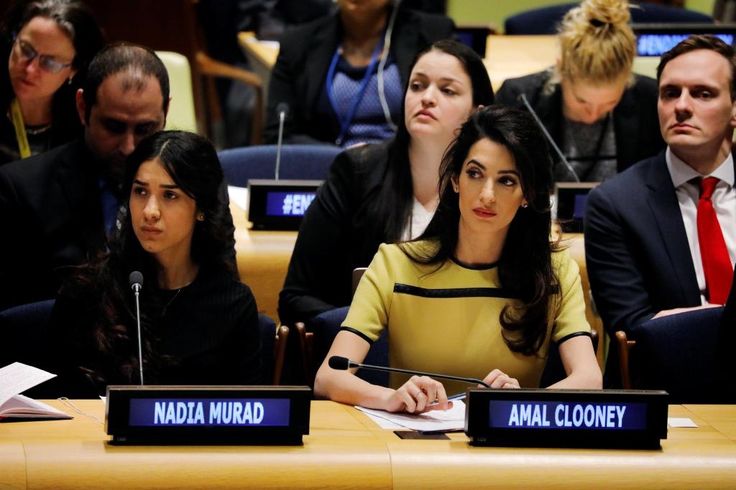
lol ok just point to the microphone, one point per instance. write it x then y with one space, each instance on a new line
343 363
564 161
135 279
282 109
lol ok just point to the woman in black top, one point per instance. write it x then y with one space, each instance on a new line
601 116
199 324
341 75
47 45
383 192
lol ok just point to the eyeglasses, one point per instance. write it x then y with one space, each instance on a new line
48 63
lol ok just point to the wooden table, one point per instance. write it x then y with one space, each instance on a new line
345 449
263 259
515 56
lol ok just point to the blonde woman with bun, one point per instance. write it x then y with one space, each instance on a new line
602 116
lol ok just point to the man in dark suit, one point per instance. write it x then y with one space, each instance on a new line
645 253
57 208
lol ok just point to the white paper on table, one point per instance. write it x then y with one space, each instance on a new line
432 421
18 377
680 422
238 195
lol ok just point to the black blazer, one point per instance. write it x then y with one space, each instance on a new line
636 247
635 120
342 230
50 211
304 57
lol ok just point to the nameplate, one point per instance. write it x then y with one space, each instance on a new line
567 418
208 414
279 204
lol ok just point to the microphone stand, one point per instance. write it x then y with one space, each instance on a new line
419 373
282 116
140 339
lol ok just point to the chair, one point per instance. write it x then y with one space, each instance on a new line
172 25
305 162
544 20
208 70
273 348
181 108
24 332
326 325
677 353
322 330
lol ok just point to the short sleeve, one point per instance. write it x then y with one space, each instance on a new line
369 310
569 307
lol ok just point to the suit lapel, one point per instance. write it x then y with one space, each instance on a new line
78 185
323 44
626 130
404 43
668 219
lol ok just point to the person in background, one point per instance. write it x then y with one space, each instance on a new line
199 324
482 293
48 45
383 192
601 116
661 237
341 76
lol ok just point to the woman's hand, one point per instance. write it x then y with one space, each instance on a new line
499 379
419 394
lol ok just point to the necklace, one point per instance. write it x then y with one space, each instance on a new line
36 130
168 303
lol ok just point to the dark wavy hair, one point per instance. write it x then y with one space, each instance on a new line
78 22
192 163
525 266
396 196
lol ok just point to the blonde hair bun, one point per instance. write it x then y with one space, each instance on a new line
611 12
596 41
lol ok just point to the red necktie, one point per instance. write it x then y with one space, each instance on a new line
713 251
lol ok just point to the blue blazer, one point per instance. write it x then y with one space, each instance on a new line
636 248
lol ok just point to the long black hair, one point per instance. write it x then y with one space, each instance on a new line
525 267
103 285
396 196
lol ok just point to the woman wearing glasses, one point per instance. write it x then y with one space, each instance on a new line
48 45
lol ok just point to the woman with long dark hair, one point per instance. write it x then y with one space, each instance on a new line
48 45
483 292
199 324
383 192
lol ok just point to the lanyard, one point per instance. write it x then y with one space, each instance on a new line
20 129
348 117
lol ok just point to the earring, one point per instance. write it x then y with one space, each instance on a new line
525 205
200 217
69 82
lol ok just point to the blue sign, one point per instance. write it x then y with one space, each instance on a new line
213 412
659 43
288 203
513 414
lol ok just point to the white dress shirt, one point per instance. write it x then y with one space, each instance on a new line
420 218
724 203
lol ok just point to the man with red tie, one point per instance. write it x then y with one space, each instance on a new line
661 236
